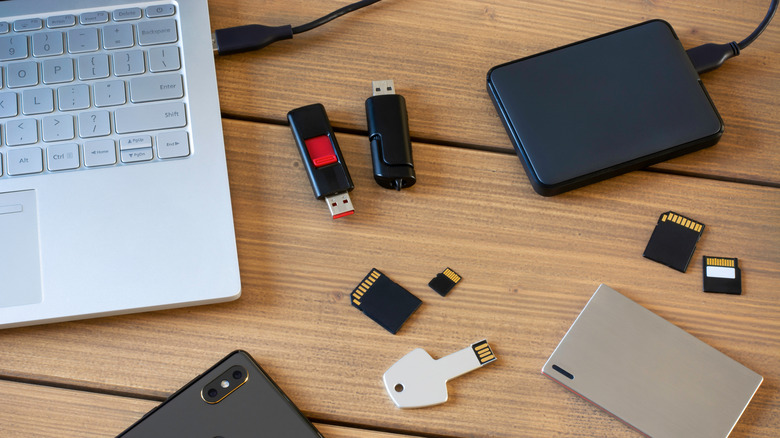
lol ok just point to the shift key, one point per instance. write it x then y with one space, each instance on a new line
158 87
150 117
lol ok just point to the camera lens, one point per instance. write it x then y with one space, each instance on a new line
212 392
237 374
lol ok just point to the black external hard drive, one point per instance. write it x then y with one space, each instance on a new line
604 106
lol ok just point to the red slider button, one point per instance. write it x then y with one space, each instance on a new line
321 150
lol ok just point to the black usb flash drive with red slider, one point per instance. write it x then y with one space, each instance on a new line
322 159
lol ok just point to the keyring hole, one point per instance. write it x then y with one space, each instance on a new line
399 388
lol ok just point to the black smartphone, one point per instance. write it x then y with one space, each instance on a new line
235 398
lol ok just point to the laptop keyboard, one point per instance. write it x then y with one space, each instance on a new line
102 88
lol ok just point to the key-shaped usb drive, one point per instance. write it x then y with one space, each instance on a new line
417 380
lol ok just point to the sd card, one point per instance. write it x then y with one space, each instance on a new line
444 282
384 301
674 240
722 275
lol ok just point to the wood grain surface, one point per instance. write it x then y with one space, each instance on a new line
529 264
438 52
71 413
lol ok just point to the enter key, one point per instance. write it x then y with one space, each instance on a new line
156 87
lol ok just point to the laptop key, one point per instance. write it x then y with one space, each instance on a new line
173 144
156 87
28 24
93 17
135 142
63 156
93 66
136 155
128 63
47 44
150 117
73 97
13 47
60 21
110 93
25 161
160 11
157 32
94 124
22 74
20 132
164 59
56 128
118 36
83 40
99 153
127 14
37 101
58 70
8 106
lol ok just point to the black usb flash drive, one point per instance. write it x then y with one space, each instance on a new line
326 168
388 131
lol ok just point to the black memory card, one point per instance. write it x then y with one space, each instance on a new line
722 275
674 240
384 301
443 282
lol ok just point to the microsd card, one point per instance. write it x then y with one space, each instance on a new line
722 275
444 282
674 240
384 301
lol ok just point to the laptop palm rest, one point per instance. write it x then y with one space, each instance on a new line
20 267
649 373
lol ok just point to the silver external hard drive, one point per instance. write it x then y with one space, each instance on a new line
649 373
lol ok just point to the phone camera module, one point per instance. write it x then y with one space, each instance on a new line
224 384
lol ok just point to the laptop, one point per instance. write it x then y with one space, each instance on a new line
648 372
114 193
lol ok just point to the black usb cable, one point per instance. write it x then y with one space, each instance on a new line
710 56
256 36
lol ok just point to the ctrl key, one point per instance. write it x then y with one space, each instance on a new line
99 153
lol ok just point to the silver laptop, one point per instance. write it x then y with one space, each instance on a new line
648 372
114 195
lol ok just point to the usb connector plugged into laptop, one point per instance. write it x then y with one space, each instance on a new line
249 37
256 36
322 159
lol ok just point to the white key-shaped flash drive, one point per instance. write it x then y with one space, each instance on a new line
417 380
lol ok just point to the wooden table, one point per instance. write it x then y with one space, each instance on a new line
529 264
